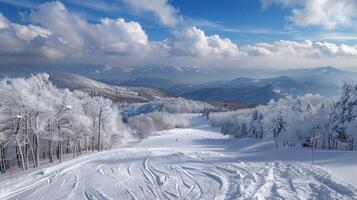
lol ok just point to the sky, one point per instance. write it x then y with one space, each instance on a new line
199 33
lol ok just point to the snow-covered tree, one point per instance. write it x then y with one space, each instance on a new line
344 119
39 121
256 125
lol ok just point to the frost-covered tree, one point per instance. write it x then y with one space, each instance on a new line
144 125
39 121
279 125
344 119
280 121
256 125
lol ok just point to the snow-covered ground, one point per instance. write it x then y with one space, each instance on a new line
193 163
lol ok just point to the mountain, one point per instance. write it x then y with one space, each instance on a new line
247 95
323 75
329 78
283 83
145 82
120 74
194 75
319 71
252 90
115 93
244 90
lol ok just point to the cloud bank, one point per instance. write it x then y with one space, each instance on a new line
58 35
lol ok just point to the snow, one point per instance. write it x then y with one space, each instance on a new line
193 163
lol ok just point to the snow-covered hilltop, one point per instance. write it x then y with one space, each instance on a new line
96 88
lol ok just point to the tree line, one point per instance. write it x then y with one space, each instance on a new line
39 121
309 120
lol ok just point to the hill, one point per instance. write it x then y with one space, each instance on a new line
115 93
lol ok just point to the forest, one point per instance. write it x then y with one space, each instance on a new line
38 121
310 120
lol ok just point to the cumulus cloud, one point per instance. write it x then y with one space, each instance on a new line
111 36
4 23
55 17
306 49
326 13
24 40
116 36
194 42
166 13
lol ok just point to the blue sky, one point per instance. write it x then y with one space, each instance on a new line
184 32
243 21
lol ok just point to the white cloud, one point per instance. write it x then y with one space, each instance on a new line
328 14
194 42
26 40
331 36
166 13
55 17
306 49
30 32
119 36
65 34
68 37
112 36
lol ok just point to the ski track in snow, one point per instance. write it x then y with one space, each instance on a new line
163 168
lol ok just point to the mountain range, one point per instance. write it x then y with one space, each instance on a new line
326 81
147 82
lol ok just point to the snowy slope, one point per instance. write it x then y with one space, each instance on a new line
191 163
115 93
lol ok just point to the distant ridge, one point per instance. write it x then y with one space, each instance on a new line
115 93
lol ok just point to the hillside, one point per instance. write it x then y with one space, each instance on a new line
246 95
96 88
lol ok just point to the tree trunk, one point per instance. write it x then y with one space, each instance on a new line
18 157
59 151
44 149
74 149
37 150
93 143
99 127
21 154
86 143
79 148
2 163
50 154
68 145
32 153
36 142
26 155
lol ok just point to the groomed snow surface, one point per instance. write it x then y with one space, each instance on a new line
191 163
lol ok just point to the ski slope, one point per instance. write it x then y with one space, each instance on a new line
191 163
